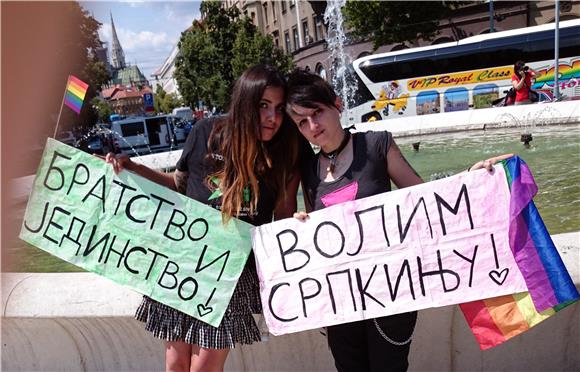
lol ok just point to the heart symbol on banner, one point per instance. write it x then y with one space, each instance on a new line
499 276
203 311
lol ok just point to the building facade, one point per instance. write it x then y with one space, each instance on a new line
164 75
126 100
298 26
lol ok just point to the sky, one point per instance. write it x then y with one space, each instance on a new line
147 30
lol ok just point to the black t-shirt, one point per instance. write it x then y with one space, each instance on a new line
366 176
199 161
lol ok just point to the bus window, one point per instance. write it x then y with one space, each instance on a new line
428 103
132 129
456 99
484 95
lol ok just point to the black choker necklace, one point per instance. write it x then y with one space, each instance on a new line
334 154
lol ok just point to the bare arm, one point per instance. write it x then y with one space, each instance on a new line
489 163
399 169
124 162
285 208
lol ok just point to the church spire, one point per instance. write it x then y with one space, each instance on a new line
117 55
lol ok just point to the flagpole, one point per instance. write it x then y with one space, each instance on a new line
61 104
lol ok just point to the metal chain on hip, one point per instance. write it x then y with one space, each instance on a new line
396 343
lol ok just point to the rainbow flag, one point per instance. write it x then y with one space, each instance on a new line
76 90
550 288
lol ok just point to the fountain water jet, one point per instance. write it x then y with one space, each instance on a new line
342 78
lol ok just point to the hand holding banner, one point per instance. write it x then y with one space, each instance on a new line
135 232
435 244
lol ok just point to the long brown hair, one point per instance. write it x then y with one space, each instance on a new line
245 157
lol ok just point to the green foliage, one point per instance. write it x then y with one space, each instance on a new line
158 97
81 42
251 47
102 108
217 50
164 102
387 22
171 101
96 74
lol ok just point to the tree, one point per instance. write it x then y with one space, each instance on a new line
159 97
387 22
216 50
251 46
96 74
102 108
88 68
166 102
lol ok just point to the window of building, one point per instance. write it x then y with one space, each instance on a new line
295 37
287 42
274 14
318 28
292 3
283 4
307 39
276 37
266 13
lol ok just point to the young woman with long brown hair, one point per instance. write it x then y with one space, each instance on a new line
246 165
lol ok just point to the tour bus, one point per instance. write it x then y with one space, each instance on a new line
467 74
142 135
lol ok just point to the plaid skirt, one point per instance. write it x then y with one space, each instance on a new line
237 327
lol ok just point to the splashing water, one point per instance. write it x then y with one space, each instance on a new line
342 79
162 161
527 122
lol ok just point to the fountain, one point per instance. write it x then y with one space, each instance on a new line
342 78
556 169
528 121
526 138
163 161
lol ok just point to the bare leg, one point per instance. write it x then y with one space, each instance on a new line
178 356
208 360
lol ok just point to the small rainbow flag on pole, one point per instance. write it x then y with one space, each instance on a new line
550 288
75 93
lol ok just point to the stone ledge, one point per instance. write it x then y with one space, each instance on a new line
80 321
90 295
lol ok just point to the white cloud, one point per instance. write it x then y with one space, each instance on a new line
147 30
141 40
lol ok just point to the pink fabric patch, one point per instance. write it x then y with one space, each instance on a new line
344 194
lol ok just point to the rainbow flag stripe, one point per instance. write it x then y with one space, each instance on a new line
550 288
496 320
76 90
536 255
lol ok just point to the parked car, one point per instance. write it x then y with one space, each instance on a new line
92 145
185 113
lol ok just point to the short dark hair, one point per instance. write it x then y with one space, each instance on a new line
518 66
307 90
